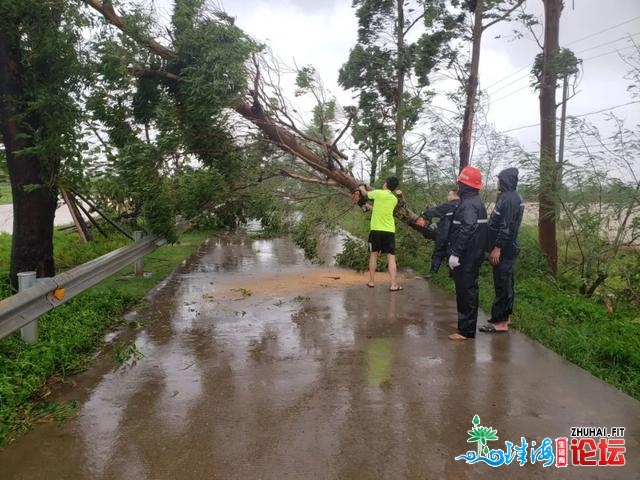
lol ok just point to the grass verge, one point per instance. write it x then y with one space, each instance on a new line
71 333
580 329
5 193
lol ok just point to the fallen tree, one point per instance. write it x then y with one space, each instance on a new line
322 157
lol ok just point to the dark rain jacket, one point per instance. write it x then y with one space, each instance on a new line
444 212
468 234
506 217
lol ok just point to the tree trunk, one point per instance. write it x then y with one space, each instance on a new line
374 168
472 88
400 72
34 201
548 165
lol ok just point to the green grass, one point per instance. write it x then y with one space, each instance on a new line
548 310
5 194
72 332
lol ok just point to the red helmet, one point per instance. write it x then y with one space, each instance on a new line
471 176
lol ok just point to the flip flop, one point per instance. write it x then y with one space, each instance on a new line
489 328
397 289
370 285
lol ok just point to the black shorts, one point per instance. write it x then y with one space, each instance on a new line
383 242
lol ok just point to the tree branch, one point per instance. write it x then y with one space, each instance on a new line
106 9
335 142
413 23
141 72
503 16
300 178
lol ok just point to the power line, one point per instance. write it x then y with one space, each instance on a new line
626 37
602 31
575 116
578 52
444 109
610 52
584 60
569 43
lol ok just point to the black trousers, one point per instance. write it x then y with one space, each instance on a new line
465 278
503 284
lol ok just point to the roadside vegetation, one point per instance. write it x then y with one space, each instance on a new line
599 332
202 128
70 335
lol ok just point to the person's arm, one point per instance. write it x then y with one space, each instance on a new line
502 215
360 197
505 232
469 225
438 211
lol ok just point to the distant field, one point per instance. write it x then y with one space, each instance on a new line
609 226
5 194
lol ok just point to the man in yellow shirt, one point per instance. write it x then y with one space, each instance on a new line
382 237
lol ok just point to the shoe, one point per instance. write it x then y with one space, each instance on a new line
490 328
370 284
397 289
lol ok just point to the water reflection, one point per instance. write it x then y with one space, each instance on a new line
302 379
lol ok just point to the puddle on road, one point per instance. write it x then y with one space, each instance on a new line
258 364
285 285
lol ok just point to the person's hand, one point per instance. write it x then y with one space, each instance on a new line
494 256
355 196
398 193
421 222
454 261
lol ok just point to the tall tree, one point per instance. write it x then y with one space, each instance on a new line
380 66
493 11
548 165
40 73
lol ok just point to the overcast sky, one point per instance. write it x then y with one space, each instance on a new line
321 33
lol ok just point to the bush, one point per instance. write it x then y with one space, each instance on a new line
354 255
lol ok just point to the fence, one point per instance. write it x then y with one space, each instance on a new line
26 306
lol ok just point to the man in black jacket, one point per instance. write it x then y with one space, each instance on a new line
504 225
467 241
444 212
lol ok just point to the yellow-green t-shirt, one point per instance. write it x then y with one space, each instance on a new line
382 215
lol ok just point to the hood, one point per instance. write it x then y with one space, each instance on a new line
465 191
508 179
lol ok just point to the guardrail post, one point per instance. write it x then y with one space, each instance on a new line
29 332
139 265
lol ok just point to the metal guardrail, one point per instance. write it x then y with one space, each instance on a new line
24 307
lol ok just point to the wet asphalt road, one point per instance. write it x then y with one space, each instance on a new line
258 365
